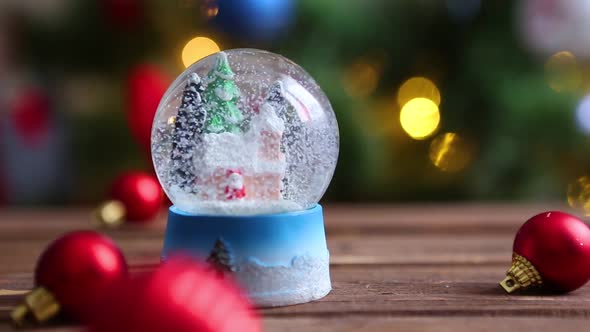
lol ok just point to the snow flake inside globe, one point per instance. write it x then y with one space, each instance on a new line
244 132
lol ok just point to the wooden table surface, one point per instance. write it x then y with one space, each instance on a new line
394 268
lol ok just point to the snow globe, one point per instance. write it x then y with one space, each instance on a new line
245 143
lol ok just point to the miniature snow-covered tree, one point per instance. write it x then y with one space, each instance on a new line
289 141
187 134
221 97
286 111
221 258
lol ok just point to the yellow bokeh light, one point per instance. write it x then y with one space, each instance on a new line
360 79
171 120
562 72
210 8
419 118
212 11
198 48
418 87
449 152
578 195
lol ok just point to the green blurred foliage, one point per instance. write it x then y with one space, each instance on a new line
493 91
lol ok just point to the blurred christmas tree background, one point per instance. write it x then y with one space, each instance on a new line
436 100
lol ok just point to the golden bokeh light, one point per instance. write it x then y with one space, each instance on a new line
198 48
418 87
360 79
171 120
419 118
210 8
212 11
562 72
449 152
110 213
578 195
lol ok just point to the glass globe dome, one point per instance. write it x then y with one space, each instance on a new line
244 132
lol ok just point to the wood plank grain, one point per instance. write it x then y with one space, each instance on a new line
6 327
433 291
433 218
415 291
367 248
361 323
387 324
406 268
429 218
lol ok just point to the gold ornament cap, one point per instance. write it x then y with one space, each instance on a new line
39 304
521 275
110 213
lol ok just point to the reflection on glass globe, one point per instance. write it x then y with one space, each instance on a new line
244 132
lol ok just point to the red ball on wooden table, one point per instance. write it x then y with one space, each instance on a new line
71 276
140 193
551 250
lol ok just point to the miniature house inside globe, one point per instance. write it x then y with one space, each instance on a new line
244 132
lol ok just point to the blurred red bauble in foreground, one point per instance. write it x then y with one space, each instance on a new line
181 295
72 275
552 250
146 85
139 193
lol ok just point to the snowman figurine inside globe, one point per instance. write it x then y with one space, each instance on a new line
245 144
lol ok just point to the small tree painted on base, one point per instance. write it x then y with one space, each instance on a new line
221 258
221 98
187 134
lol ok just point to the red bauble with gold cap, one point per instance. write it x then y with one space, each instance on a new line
551 250
71 276
140 193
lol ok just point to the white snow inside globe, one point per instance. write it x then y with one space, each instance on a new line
244 132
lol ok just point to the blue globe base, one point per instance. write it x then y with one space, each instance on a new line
279 259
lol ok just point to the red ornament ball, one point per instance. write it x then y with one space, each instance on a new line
31 117
557 244
140 193
181 295
146 85
78 268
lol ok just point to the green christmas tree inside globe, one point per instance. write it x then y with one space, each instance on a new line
222 95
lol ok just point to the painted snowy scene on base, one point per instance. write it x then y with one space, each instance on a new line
245 137
278 259
305 279
302 279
